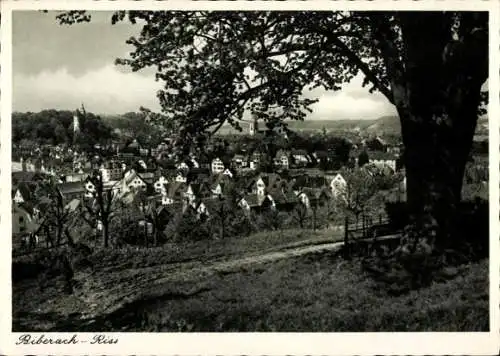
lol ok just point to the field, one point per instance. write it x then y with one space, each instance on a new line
281 281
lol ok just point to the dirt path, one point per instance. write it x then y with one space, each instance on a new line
107 297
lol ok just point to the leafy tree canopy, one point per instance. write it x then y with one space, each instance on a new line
56 127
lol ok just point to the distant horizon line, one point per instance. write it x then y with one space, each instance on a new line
137 112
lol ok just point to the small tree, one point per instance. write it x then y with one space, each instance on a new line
300 215
57 213
100 209
360 188
153 213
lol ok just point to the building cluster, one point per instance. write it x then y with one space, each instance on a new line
197 183
197 189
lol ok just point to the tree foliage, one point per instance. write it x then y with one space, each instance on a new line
56 127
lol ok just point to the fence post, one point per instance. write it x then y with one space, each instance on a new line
346 237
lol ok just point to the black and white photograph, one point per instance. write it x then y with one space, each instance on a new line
249 170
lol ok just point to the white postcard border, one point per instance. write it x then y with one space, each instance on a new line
255 343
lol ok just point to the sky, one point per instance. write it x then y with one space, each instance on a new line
61 67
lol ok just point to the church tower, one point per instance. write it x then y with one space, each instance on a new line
76 122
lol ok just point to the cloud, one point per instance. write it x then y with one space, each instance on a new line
343 106
353 101
105 90
108 90
40 43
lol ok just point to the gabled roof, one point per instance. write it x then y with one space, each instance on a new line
73 205
71 187
270 179
283 197
128 178
255 200
174 187
316 193
26 190
27 207
218 179
210 203
199 189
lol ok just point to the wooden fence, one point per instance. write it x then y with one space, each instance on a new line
366 231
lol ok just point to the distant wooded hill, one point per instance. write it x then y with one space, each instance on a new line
385 125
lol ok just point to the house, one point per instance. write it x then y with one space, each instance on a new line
228 173
281 159
132 181
111 170
218 183
160 183
377 144
263 183
239 161
201 209
132 147
183 166
338 184
197 175
23 193
174 192
382 159
22 220
90 188
196 191
254 162
282 199
299 158
181 177
217 166
255 202
72 190
312 197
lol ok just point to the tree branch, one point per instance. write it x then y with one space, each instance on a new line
370 75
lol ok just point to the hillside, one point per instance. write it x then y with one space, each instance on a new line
385 125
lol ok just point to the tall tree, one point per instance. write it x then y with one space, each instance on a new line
153 213
430 65
100 210
58 214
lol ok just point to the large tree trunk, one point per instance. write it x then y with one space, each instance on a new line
437 95
435 158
